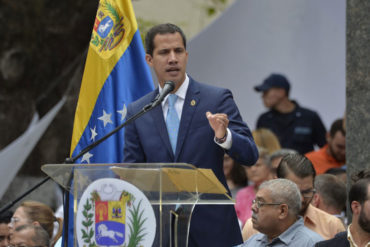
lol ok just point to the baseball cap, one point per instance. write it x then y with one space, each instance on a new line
273 81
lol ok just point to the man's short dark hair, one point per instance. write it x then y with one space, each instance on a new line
336 126
359 190
296 163
161 29
332 190
336 171
5 217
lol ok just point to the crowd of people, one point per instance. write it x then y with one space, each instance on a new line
32 224
269 215
312 160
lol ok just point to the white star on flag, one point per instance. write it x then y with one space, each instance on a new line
93 133
123 112
105 118
86 157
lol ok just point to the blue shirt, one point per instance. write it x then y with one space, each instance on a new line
296 235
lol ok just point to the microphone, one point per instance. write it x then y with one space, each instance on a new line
168 87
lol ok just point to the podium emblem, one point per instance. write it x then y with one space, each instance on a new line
110 220
112 212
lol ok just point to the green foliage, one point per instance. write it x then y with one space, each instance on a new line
144 26
211 11
136 226
215 6
211 7
88 222
95 40
108 6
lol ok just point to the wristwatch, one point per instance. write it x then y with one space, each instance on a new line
221 140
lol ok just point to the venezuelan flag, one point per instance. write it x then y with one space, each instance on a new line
115 75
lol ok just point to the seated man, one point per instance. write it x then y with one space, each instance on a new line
276 157
340 173
299 170
358 233
276 215
29 235
330 195
333 154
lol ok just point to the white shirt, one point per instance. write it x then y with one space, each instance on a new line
179 104
181 93
350 238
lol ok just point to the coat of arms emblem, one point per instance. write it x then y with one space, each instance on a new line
110 28
113 212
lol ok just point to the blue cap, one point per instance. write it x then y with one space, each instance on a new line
274 81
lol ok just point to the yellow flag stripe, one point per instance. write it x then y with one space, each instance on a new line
97 70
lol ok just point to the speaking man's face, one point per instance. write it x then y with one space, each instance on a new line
169 58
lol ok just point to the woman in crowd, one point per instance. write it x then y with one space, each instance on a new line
266 139
257 174
236 177
36 213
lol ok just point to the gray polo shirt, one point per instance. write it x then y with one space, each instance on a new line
296 235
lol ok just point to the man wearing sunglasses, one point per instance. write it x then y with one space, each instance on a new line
300 170
276 216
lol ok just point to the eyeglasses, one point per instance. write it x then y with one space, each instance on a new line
260 204
14 220
308 193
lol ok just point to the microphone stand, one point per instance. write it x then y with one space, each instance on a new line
72 160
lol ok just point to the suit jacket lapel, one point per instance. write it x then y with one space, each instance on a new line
157 115
191 102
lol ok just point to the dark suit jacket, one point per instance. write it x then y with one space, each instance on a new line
339 240
146 140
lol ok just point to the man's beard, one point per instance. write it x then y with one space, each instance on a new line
363 221
335 156
304 207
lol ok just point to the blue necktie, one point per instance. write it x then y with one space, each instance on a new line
172 121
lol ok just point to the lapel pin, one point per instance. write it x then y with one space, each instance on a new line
192 103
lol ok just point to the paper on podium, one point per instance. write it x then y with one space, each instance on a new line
173 179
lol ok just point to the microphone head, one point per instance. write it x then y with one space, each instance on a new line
170 85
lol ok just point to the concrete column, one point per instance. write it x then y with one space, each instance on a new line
358 87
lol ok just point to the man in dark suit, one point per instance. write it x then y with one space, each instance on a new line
358 233
209 125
